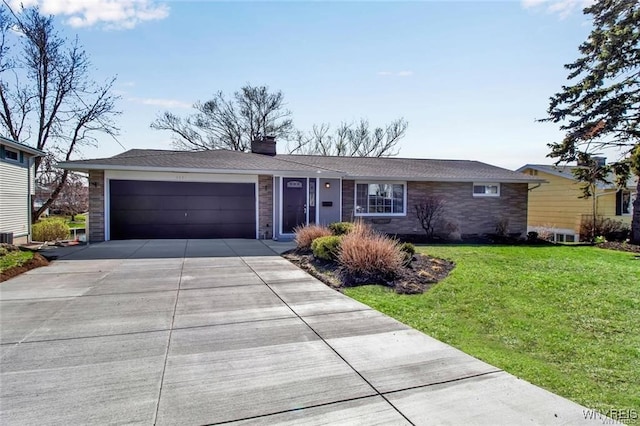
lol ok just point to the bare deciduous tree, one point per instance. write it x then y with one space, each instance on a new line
73 198
47 97
351 140
229 123
429 212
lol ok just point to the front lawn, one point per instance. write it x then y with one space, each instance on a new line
564 318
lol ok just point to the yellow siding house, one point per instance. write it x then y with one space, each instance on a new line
556 208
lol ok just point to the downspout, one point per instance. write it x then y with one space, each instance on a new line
535 187
29 199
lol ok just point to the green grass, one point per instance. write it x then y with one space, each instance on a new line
14 258
79 222
564 318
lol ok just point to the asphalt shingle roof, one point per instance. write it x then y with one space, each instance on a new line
353 167
566 171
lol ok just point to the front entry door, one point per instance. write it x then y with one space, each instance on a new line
294 203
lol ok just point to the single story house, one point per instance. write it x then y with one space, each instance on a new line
557 207
17 174
145 193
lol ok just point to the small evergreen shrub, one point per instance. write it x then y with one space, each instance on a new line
341 228
409 250
306 234
50 230
369 257
326 247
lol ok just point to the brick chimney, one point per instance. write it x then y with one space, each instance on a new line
265 146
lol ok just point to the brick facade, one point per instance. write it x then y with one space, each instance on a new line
472 215
96 206
265 206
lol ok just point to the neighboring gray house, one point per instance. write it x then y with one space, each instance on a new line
16 188
230 194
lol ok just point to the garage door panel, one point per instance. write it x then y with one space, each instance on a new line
148 202
152 209
236 230
215 202
223 216
149 217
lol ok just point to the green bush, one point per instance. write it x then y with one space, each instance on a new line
341 228
409 250
50 230
326 247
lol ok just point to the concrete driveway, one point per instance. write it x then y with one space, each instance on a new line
210 331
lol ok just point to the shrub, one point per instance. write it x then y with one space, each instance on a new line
50 230
502 227
367 256
408 248
611 230
306 234
341 228
326 247
408 251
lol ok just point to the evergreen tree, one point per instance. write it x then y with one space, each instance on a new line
601 109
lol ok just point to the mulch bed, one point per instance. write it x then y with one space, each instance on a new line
611 245
422 273
37 261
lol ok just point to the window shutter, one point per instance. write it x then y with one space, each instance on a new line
21 157
619 203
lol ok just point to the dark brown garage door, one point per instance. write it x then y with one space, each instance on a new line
148 209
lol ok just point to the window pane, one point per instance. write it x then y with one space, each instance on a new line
11 155
361 198
491 189
379 198
626 202
398 198
479 189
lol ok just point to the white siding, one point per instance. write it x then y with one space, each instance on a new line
14 198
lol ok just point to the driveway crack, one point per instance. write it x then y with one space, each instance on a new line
173 318
322 339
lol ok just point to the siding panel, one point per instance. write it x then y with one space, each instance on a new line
14 199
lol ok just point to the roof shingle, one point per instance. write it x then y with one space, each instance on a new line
222 161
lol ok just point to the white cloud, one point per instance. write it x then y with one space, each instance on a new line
110 14
562 8
395 73
164 103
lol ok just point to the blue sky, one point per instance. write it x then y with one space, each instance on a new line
469 77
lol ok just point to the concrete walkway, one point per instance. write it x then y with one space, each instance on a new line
209 331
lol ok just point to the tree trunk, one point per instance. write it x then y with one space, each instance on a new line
35 215
635 222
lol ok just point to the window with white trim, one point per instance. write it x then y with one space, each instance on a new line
486 189
381 199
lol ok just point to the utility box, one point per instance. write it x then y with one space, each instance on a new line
6 237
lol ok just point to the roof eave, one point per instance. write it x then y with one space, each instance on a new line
22 147
88 167
478 179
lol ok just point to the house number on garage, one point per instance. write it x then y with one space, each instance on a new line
180 177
